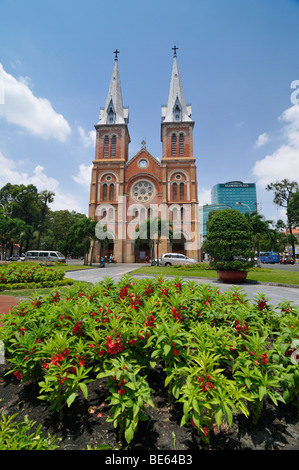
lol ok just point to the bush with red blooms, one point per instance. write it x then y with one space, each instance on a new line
221 354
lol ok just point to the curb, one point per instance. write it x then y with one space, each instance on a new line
213 279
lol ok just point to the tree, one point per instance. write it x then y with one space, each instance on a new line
11 230
260 228
283 193
45 198
83 232
229 240
151 231
293 209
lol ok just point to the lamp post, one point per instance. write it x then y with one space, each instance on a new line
242 204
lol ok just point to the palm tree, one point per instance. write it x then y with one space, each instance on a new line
84 232
45 197
151 231
259 227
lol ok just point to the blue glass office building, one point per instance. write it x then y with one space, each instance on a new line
237 195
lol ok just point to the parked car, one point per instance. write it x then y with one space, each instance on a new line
41 255
169 259
17 258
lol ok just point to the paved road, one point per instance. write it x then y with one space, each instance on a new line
276 294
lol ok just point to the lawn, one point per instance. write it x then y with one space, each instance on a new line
262 275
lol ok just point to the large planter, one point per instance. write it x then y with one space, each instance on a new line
232 277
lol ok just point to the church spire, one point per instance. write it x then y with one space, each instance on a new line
114 112
176 109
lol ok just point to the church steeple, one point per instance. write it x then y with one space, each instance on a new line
114 112
176 125
176 109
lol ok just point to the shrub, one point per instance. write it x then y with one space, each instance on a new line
219 353
229 241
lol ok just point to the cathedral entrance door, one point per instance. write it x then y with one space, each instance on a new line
142 253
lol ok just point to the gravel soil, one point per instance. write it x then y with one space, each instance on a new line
84 423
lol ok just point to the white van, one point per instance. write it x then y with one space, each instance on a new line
44 256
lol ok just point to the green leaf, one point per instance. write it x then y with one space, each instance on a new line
166 349
84 390
218 416
262 392
129 434
70 399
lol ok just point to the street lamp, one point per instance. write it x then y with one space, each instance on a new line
242 204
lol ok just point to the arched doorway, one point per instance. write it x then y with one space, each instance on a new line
143 252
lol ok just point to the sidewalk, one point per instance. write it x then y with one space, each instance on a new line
6 303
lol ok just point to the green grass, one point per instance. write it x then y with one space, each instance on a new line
264 275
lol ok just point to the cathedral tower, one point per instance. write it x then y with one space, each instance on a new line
125 192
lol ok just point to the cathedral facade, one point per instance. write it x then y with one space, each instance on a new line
145 206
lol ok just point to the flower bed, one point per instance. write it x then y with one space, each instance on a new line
221 355
28 275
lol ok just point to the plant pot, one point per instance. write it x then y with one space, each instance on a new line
232 277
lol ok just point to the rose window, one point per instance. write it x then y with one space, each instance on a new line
143 191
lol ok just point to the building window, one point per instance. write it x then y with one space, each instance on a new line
181 139
111 214
182 214
174 191
104 192
173 144
106 146
111 192
113 146
182 190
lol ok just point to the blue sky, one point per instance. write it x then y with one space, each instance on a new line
237 60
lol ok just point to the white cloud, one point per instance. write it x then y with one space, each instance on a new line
35 115
284 162
262 140
83 176
204 196
87 139
10 174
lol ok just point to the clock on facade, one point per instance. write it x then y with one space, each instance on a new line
143 163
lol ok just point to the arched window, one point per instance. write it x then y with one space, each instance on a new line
174 214
104 192
182 214
113 146
106 146
111 192
181 140
110 214
182 190
173 144
174 191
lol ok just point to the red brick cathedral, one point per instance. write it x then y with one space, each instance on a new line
126 194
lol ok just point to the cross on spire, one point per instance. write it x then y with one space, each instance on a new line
174 51
116 52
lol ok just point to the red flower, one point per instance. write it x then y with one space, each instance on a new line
175 352
18 375
265 358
